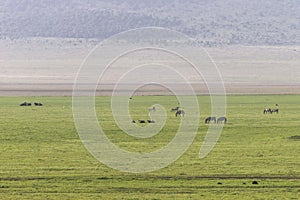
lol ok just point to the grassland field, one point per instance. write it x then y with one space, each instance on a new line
42 157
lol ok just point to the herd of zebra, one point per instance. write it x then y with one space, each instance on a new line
215 120
181 112
207 120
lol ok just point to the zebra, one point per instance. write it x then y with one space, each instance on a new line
210 119
221 120
180 113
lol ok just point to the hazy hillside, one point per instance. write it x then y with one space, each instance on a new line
255 22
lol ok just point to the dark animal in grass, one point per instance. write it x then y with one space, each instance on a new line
175 109
219 183
25 104
222 120
268 111
38 104
271 111
254 182
150 121
180 113
133 121
210 119
295 137
142 121
275 110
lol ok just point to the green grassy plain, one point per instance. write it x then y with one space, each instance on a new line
42 157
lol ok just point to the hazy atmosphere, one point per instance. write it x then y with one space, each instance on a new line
255 44
149 99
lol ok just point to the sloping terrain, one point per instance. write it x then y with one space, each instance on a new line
256 22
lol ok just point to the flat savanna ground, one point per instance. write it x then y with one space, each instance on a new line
49 67
42 156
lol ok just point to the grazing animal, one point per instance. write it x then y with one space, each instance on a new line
38 104
152 109
254 182
268 111
275 111
133 121
175 109
180 113
222 120
142 121
210 119
25 104
150 121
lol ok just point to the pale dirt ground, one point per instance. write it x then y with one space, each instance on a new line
48 68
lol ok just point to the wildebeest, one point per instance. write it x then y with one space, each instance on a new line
210 119
38 104
142 121
150 121
152 109
175 109
255 182
180 113
25 104
133 121
222 120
